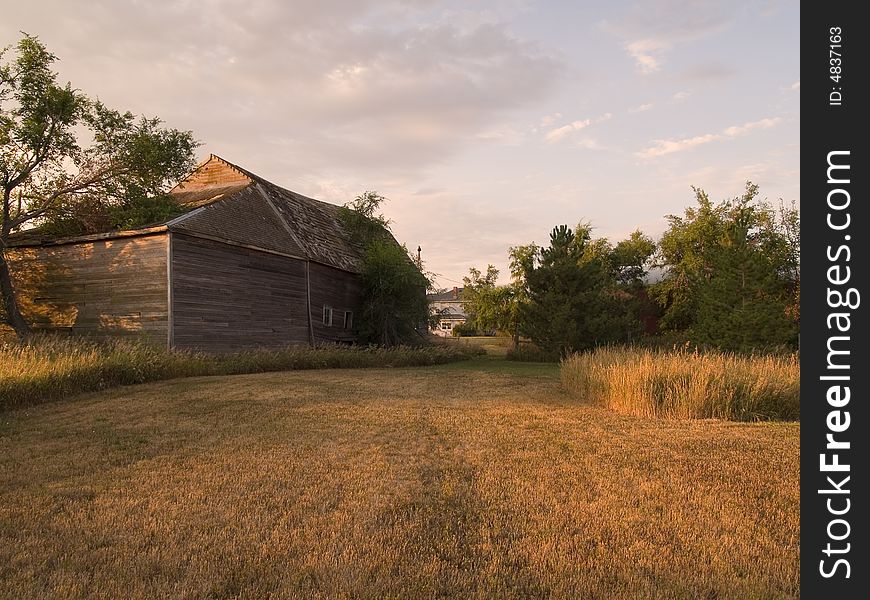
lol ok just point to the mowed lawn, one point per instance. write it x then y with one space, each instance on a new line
477 479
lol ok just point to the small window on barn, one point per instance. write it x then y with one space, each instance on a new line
348 319
327 316
446 325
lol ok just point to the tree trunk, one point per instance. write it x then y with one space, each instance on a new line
10 303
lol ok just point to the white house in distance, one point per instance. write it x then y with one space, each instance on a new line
448 305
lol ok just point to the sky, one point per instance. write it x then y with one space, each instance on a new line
484 123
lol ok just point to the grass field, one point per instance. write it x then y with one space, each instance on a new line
474 479
50 368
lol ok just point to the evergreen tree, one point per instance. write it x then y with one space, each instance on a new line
574 303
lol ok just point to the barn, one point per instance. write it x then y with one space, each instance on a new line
249 264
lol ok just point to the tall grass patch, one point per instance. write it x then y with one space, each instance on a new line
50 368
687 385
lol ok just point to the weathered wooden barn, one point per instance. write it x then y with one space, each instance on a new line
250 264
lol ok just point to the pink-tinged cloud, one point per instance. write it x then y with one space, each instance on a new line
645 54
663 147
554 135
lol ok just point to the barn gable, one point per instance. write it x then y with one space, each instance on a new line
312 229
213 179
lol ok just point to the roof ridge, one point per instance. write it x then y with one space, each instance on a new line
282 219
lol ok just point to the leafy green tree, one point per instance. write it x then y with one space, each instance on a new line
489 306
523 259
394 305
631 259
362 219
500 307
732 278
60 150
477 296
92 214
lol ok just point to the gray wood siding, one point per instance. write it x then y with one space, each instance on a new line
227 298
340 290
105 288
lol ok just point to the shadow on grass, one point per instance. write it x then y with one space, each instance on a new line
498 365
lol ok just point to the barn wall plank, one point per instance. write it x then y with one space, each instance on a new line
339 290
103 288
227 298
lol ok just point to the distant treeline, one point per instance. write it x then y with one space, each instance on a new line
730 280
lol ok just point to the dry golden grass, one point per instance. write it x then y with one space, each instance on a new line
687 385
477 479
48 367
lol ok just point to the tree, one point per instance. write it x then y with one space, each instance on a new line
394 304
732 277
477 298
62 150
630 259
92 214
522 260
573 302
488 305
500 307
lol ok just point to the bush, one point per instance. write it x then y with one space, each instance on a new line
464 330
681 384
49 368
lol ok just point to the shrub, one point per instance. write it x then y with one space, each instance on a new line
49 368
681 384
464 330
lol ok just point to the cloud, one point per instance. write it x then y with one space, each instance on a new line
504 135
645 51
649 30
747 127
681 95
313 85
554 135
641 108
663 147
796 86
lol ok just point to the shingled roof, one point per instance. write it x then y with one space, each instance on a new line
229 203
